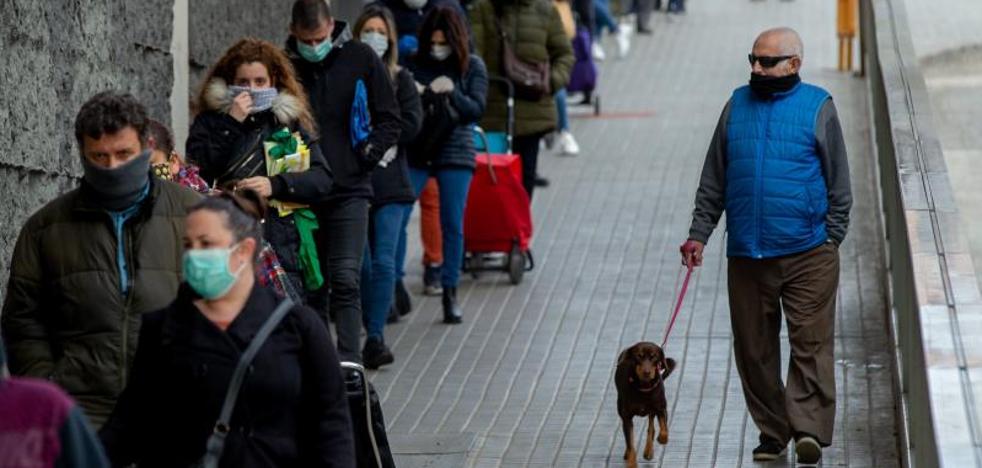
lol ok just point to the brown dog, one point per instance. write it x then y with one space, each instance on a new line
640 377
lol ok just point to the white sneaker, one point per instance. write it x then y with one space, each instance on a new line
623 42
598 52
567 144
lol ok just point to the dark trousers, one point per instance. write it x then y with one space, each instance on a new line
341 245
804 285
644 10
527 146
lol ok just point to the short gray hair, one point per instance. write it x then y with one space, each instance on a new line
790 41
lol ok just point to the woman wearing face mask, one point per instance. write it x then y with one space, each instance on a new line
392 191
255 119
291 409
166 164
445 67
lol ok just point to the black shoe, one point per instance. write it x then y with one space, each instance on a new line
645 31
451 310
769 450
541 181
393 314
402 302
376 354
808 449
587 99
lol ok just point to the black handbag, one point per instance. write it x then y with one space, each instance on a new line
216 441
440 119
250 162
531 79
371 443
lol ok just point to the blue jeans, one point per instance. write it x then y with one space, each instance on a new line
378 269
454 184
561 109
604 18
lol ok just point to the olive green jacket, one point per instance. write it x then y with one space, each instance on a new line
65 317
538 35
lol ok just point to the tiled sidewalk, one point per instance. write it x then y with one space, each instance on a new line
526 380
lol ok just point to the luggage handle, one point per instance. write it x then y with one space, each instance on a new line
509 108
487 149
360 370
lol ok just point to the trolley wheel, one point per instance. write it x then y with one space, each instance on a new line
516 265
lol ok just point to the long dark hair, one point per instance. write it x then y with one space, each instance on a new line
445 19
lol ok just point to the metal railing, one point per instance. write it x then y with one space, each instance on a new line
934 294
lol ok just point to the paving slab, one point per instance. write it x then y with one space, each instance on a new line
529 372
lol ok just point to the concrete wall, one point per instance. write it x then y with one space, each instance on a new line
54 56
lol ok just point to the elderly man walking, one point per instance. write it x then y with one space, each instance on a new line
777 166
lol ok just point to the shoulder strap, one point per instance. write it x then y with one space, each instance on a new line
216 441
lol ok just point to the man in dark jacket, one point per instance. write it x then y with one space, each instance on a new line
409 15
777 165
331 68
89 264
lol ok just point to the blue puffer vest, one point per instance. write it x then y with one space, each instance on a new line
776 199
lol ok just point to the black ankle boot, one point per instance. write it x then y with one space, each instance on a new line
376 353
451 310
403 304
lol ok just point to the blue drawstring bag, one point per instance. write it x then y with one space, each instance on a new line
361 120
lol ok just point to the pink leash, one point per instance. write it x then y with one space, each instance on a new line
678 305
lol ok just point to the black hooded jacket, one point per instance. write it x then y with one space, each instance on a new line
391 183
217 140
291 410
330 86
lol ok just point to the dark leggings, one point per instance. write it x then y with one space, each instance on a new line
527 146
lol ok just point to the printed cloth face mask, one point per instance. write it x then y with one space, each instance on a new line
262 98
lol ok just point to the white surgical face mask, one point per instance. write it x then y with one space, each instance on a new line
440 52
415 4
376 40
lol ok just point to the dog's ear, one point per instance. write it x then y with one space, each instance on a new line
627 357
626 363
668 364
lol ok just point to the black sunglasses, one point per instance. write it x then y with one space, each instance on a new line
767 62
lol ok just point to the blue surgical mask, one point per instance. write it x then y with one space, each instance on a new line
314 53
206 271
440 52
377 41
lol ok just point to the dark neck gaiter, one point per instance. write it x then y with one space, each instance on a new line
119 188
767 86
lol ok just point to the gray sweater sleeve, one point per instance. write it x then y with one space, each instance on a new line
835 169
710 196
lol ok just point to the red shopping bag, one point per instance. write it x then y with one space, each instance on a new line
498 214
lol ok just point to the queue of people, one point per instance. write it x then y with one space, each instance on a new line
141 292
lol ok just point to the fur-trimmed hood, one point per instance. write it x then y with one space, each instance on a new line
286 107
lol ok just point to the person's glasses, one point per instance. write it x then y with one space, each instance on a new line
767 62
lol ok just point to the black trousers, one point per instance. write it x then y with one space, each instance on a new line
527 146
644 10
341 246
